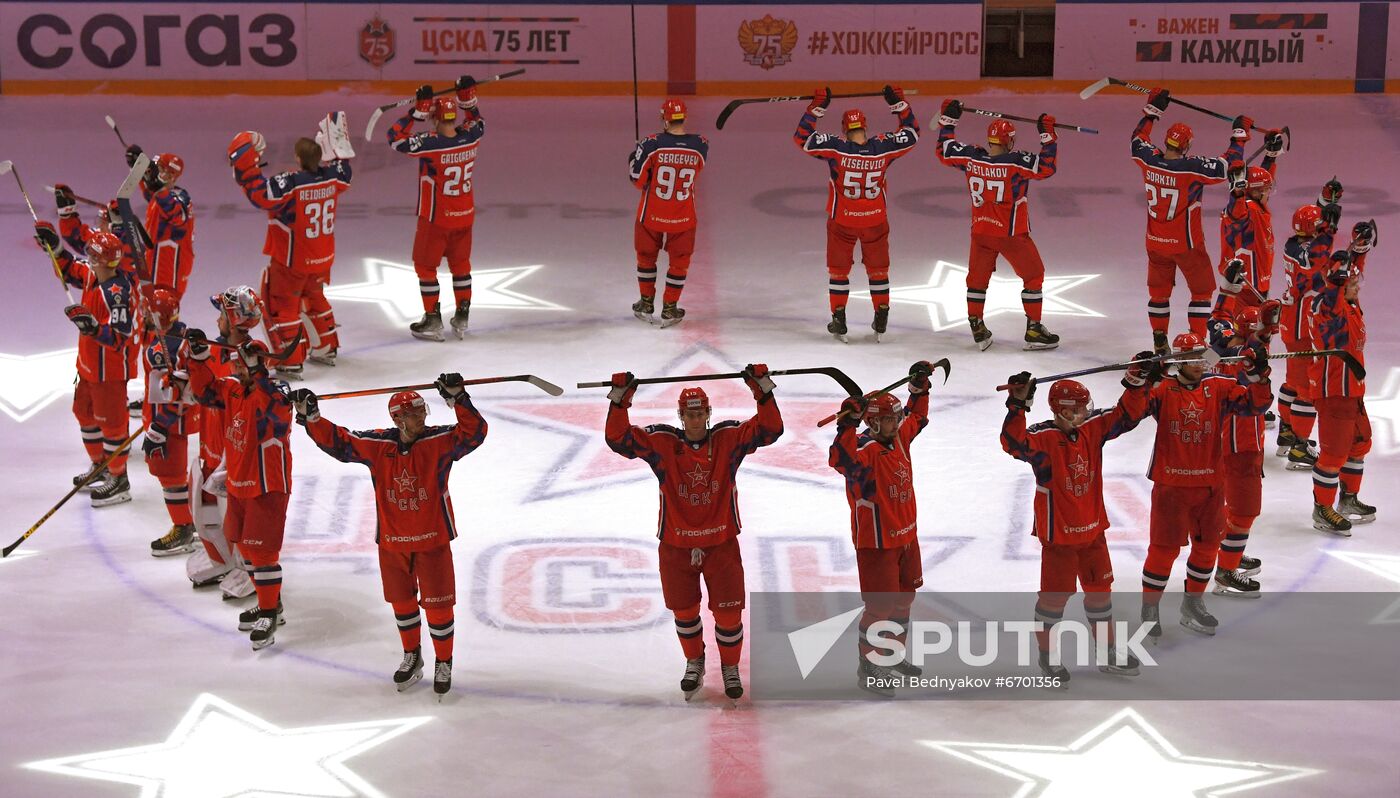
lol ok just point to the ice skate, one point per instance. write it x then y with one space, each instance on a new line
1302 456
459 320
1054 671
906 668
236 584
1249 566
881 322
248 618
1128 667
671 315
694 677
733 685
134 409
264 631
442 677
1152 614
837 325
429 328
644 308
1355 510
980 334
1329 520
179 540
1286 439
874 678
1195 616
1235 583
410 670
96 472
324 355
1037 337
113 489
1160 344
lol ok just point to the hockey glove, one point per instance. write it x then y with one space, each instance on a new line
918 376
47 237
1258 368
1363 236
1273 144
306 404
1234 277
1270 314
424 102
153 445
1239 178
894 98
466 91
1331 193
449 387
1046 125
821 98
756 377
852 411
1242 126
624 385
245 150
64 199
1339 271
1140 374
1022 391
198 343
133 152
1331 215
82 319
1157 100
950 113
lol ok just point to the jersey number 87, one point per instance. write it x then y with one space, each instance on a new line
672 182
977 186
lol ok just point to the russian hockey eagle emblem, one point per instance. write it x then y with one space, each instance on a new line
767 42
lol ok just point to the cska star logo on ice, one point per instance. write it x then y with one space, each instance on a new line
767 42
377 42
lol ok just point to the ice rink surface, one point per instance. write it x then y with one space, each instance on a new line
566 661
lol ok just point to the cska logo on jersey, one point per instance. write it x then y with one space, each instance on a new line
767 42
1080 476
377 42
405 493
237 433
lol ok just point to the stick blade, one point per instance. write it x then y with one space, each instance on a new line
373 120
1094 88
112 123
726 113
133 178
6 166
544 385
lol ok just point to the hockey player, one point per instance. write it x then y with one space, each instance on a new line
1175 183
300 242
1187 469
855 207
884 516
169 221
1246 224
1066 456
665 166
998 178
446 202
410 466
106 355
169 418
1344 430
699 522
257 420
76 234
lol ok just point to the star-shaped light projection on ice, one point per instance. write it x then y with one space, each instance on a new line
945 296
28 383
1123 750
1384 409
194 761
394 287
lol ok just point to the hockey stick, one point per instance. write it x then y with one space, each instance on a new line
1288 141
124 194
80 198
92 475
636 114
281 354
941 364
9 166
734 104
1169 358
544 385
112 123
847 384
378 112
1348 359
1094 88
1000 115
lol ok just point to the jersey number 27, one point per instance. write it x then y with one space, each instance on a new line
1157 196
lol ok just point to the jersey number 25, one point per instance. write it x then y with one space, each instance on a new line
457 180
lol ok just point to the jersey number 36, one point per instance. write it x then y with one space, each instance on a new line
320 218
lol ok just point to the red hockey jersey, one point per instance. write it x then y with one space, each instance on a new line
1190 440
880 480
1247 233
300 213
1174 190
109 355
257 421
856 183
168 401
170 221
1335 323
999 184
665 167
699 501
445 166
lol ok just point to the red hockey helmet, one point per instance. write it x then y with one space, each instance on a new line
164 307
1071 399
1002 132
1179 137
880 406
693 399
1260 180
444 109
853 119
673 110
169 167
239 305
106 249
404 401
1307 220
1187 342
1248 320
